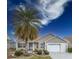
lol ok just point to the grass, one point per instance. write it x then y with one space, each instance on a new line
41 57
33 57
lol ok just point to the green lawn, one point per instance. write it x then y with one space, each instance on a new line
41 57
33 57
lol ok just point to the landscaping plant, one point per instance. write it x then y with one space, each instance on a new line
46 52
69 50
18 53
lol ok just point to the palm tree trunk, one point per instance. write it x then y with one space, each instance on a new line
26 47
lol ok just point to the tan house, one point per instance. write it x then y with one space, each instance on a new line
10 44
69 41
49 42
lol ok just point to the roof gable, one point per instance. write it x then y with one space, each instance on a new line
68 39
51 38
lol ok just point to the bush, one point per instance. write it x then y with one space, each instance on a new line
27 54
23 51
69 50
36 50
18 53
46 52
39 52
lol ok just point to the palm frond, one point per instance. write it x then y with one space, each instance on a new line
26 23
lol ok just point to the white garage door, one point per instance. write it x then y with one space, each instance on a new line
53 47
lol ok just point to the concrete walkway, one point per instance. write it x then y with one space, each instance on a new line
61 55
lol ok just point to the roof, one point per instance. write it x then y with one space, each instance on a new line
51 38
68 39
48 38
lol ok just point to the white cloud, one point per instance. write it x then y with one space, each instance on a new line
51 9
13 33
44 21
19 7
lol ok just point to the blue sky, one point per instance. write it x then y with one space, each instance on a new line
60 26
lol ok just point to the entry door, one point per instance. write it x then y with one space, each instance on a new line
53 47
31 46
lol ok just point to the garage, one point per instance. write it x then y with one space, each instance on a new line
54 43
53 47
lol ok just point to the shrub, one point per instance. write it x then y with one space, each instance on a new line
39 52
18 53
23 51
69 50
46 52
27 54
36 50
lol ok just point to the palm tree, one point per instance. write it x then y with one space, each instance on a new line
26 23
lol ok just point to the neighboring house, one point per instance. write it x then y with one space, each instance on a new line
49 42
10 44
69 41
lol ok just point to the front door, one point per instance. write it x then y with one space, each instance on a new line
30 46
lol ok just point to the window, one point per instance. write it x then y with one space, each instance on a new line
43 45
21 45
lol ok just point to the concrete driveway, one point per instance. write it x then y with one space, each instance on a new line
61 55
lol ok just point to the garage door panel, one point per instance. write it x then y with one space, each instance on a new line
53 47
